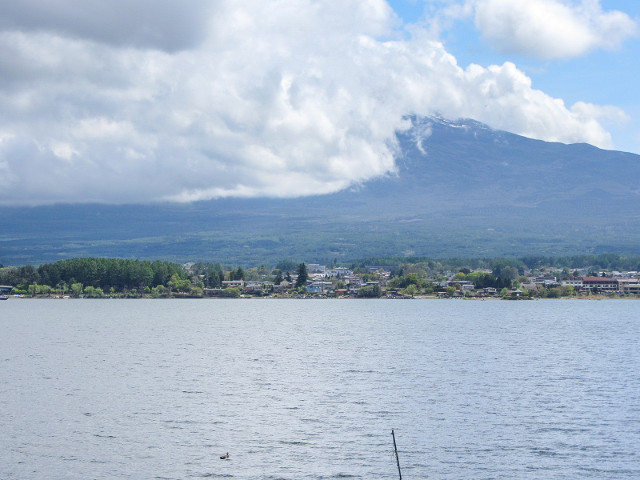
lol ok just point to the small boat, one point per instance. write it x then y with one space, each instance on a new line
224 457
4 297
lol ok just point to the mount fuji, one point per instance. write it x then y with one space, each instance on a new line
460 189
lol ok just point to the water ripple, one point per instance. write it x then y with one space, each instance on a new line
311 390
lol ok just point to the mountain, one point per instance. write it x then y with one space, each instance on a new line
461 189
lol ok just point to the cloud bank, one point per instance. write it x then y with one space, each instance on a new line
551 28
128 102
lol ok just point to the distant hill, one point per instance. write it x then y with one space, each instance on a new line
461 189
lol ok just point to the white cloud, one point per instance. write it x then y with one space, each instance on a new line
604 112
551 28
273 98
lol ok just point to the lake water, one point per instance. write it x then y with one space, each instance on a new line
311 389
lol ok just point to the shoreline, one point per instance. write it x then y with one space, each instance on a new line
417 297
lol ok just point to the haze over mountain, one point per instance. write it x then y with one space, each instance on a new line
460 189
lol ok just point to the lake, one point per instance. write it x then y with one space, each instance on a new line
311 389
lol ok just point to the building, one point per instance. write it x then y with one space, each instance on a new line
629 285
282 287
258 287
319 287
601 284
488 291
546 281
353 281
575 282
338 272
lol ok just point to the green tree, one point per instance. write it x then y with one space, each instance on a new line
237 274
303 276
93 292
159 291
178 284
460 276
197 290
411 290
286 265
44 290
62 288
231 293
369 291
556 292
77 289
28 275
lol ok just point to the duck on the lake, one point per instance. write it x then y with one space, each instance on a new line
224 457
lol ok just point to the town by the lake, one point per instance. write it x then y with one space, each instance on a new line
489 279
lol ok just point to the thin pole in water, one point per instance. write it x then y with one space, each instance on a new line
395 449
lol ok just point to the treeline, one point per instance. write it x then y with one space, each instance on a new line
601 262
106 274
605 262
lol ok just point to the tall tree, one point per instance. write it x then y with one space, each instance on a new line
303 276
237 274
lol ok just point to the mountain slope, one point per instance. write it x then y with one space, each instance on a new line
461 189
468 161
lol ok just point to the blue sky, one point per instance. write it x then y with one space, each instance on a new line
603 76
161 100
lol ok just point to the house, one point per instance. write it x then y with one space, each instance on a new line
283 287
546 281
338 272
257 287
232 283
189 267
315 268
353 281
319 287
488 291
382 270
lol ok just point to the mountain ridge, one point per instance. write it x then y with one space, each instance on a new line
460 189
